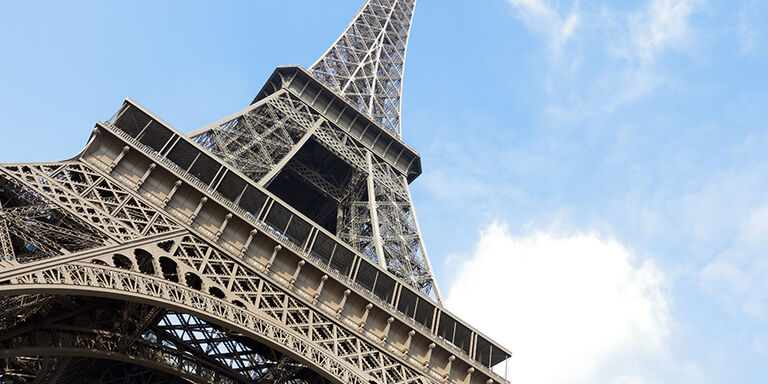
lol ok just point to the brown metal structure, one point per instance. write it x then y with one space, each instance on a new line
278 245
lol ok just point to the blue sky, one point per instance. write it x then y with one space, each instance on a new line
605 161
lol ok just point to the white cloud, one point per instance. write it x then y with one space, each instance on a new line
571 307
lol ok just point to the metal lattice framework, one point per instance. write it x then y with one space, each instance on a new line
278 245
366 62
373 206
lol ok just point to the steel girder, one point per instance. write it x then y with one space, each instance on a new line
127 265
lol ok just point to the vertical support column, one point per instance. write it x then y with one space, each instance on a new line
6 246
175 188
435 320
119 157
197 210
223 225
248 242
119 113
218 179
310 240
365 315
319 289
272 259
355 266
396 297
166 148
423 249
407 346
390 320
143 130
343 302
377 242
296 273
145 176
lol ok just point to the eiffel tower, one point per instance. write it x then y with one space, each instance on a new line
277 245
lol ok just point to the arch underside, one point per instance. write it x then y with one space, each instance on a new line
48 338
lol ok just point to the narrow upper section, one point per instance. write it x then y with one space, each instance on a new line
366 62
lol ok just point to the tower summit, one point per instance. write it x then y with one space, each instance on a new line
276 245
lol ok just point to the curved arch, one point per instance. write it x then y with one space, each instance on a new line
158 348
94 280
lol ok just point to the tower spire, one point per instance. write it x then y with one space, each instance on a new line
366 63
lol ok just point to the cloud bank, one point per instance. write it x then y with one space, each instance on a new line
573 307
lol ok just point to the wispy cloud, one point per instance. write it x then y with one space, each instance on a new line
736 276
660 25
719 222
542 17
616 58
751 26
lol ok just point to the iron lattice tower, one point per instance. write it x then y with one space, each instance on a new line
278 245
